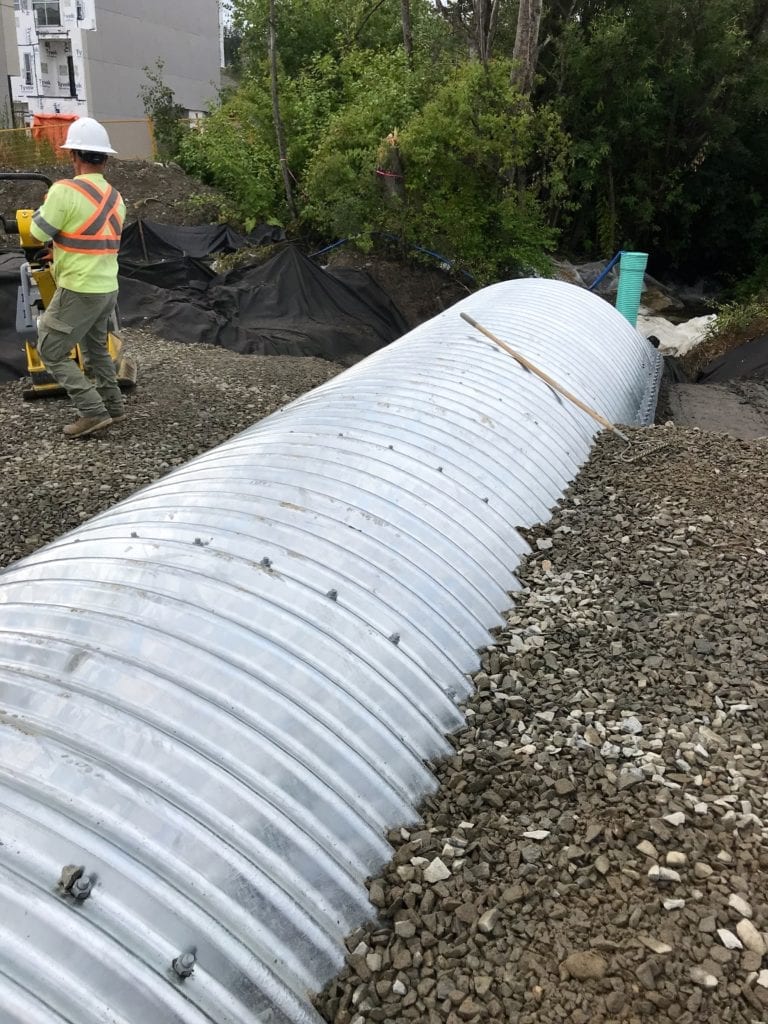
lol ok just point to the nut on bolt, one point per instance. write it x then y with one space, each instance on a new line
184 964
81 888
74 881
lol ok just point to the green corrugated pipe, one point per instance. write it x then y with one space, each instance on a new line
631 277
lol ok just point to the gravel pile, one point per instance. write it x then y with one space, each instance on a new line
598 848
189 399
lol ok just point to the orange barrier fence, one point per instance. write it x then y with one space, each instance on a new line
24 149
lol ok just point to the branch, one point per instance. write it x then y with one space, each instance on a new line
368 16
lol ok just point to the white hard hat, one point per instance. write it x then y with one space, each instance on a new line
89 136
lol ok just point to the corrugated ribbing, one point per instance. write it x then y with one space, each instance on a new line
218 695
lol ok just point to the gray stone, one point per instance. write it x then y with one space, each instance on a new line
564 787
740 905
584 964
751 937
436 871
488 921
701 977
702 871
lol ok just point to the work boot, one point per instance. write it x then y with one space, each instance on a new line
87 425
116 415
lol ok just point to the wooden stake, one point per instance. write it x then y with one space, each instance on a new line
546 378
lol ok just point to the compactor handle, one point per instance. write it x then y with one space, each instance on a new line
25 176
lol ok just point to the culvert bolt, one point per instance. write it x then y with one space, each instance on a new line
81 888
184 964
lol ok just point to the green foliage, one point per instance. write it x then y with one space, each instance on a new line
234 150
747 319
166 114
736 323
483 167
648 130
666 100
375 92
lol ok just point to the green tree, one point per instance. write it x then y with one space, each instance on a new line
666 102
234 149
165 113
484 172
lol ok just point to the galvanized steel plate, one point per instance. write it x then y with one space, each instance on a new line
218 695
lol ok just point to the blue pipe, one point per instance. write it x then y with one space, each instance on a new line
602 276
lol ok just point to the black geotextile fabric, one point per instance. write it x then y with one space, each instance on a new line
149 242
285 306
13 361
747 361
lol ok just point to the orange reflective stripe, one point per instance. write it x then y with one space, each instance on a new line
108 201
97 222
100 234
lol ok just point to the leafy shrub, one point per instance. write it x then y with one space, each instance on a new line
482 169
166 114
735 324
376 92
231 151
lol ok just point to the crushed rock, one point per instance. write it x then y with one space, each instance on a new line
668 629
189 398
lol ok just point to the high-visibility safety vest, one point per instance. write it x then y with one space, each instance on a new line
100 234
83 217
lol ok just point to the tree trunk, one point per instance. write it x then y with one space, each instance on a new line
486 16
526 50
279 131
405 17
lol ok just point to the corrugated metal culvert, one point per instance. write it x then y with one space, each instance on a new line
217 696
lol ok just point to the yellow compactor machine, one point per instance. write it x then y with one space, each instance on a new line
36 289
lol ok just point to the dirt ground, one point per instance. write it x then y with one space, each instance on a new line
420 290
154 191
736 408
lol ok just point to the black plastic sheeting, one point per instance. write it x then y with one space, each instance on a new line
149 242
747 361
13 363
286 306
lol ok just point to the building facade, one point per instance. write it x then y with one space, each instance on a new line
87 57
9 61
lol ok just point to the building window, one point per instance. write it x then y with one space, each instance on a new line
28 69
80 11
44 67
47 12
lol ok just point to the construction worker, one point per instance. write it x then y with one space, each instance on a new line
83 217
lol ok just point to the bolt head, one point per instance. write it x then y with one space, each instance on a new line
81 888
184 964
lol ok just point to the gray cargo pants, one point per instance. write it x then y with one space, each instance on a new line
78 318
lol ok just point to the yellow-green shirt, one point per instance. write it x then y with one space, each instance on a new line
66 209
